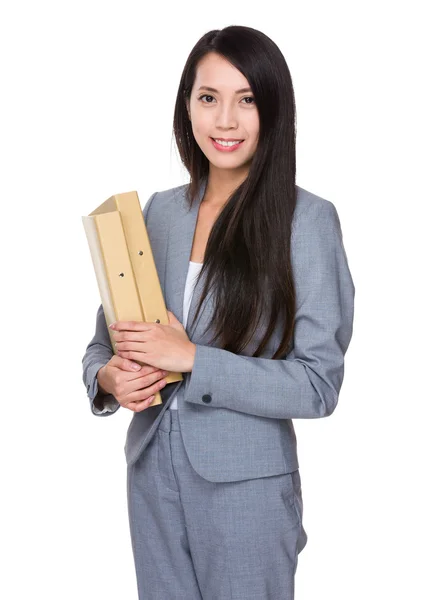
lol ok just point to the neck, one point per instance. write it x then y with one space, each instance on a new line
220 185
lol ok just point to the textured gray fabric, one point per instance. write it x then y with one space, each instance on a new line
194 539
236 411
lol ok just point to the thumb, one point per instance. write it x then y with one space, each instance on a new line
173 321
172 317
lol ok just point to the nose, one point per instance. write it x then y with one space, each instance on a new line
226 117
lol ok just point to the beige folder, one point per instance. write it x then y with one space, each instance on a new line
124 266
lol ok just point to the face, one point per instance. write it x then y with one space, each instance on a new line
225 114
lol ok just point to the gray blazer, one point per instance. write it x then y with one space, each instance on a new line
236 411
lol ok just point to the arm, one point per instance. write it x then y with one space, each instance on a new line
98 353
306 384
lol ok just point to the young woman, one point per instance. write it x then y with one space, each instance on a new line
260 298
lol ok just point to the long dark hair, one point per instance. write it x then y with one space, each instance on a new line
248 255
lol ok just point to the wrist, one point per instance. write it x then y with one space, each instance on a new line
192 356
100 373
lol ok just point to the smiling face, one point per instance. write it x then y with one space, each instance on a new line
227 111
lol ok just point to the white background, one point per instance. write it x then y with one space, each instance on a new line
87 97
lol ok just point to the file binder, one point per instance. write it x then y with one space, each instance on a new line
124 266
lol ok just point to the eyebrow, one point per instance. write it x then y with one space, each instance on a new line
211 89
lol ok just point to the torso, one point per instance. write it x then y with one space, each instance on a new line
206 219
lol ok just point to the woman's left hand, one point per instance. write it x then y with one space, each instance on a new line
163 346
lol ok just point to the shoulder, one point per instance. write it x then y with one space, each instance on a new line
159 203
167 197
310 206
312 210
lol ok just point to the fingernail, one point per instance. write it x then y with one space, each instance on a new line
135 367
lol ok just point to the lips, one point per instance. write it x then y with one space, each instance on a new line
227 139
231 148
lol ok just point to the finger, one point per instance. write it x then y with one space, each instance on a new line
130 344
144 387
139 386
142 405
130 365
132 355
130 326
146 369
126 365
151 388
129 336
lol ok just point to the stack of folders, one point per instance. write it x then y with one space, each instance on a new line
124 266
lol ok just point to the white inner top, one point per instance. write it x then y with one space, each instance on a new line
192 273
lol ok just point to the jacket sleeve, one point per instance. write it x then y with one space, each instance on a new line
98 353
305 384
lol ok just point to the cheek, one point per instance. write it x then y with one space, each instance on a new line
255 143
201 131
255 134
253 139
202 122
253 126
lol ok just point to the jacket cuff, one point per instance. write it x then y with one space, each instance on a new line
101 404
199 389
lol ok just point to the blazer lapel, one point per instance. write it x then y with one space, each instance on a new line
179 249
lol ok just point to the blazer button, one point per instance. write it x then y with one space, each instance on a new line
207 398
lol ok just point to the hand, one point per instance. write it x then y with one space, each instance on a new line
134 388
160 345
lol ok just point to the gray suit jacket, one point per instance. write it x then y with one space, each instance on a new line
236 411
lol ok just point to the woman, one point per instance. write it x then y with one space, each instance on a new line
257 267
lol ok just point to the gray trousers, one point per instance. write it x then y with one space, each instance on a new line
194 539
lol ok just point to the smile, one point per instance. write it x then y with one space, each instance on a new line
226 146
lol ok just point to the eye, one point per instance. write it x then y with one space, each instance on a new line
208 96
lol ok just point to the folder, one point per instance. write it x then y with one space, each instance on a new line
124 266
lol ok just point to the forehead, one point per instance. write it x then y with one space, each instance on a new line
215 71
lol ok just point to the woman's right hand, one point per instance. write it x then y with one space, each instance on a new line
134 389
